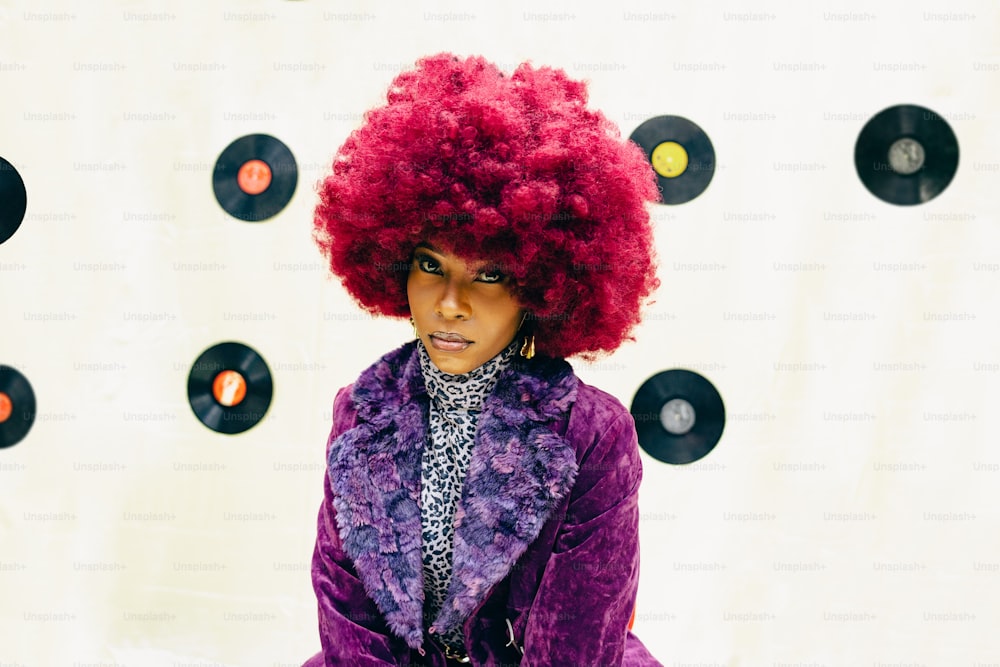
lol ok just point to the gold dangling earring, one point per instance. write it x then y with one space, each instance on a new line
528 347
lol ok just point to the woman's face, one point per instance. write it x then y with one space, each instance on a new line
463 310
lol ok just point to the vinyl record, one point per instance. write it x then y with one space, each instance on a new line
681 154
255 177
17 407
679 416
229 388
906 155
13 200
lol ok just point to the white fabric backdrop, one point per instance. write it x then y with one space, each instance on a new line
848 517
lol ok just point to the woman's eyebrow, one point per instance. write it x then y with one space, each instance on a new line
428 246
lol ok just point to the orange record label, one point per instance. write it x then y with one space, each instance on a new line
254 177
229 388
6 407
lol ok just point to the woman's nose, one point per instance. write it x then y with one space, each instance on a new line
453 302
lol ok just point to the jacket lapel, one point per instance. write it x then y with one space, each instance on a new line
374 471
519 472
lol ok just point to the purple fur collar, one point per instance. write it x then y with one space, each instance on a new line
520 471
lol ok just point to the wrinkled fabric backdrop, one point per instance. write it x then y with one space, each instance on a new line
847 517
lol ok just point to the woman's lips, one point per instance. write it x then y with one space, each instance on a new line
449 342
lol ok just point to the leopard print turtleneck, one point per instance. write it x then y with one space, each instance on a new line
456 401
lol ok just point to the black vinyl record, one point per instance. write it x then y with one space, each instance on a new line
229 387
13 200
681 154
906 155
17 406
679 416
255 177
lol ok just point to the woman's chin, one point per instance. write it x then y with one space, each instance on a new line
447 363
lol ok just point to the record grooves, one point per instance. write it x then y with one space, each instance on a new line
13 200
255 177
17 406
681 155
230 388
906 155
679 416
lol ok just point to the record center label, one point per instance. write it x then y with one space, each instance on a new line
229 388
6 407
677 416
254 177
906 156
669 159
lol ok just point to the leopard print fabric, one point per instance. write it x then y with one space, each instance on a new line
456 401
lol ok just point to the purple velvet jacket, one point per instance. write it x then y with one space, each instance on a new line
546 560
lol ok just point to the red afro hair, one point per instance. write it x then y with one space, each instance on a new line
514 169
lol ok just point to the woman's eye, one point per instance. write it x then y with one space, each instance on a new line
491 277
426 264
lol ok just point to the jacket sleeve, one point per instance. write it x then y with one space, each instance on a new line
351 628
588 589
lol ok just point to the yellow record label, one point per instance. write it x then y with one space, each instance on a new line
669 159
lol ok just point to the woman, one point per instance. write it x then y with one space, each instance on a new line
480 500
